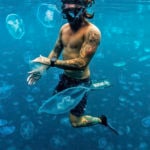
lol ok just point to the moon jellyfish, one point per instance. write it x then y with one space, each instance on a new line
102 142
7 130
144 58
62 102
5 90
119 64
3 122
29 98
143 145
27 130
48 15
65 100
15 26
57 142
146 122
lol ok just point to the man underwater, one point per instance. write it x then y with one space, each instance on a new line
77 42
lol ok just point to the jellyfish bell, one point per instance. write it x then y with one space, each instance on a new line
67 99
48 15
15 26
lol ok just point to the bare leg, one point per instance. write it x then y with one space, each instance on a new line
84 121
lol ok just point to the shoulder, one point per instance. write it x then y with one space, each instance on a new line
94 29
93 33
64 26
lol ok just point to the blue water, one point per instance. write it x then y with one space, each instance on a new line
123 57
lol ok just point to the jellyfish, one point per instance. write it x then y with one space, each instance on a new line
3 122
102 142
67 99
15 26
48 15
5 90
119 64
62 102
146 122
57 142
27 130
7 130
29 98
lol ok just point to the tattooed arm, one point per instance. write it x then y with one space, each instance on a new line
57 49
89 46
81 60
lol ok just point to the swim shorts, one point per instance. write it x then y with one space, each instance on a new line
67 82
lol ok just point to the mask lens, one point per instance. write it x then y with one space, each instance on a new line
72 12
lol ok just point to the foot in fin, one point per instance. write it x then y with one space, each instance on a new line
105 123
104 120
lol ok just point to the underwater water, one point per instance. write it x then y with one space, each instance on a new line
29 28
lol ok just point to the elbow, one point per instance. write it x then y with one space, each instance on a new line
82 65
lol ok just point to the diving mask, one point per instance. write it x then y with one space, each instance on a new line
72 11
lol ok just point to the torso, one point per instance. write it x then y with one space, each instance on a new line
72 42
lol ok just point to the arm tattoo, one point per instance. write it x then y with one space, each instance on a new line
72 64
57 49
87 51
93 38
58 45
91 43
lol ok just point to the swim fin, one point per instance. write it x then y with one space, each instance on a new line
105 123
112 129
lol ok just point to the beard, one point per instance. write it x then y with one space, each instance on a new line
75 23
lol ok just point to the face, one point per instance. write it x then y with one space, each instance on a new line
73 13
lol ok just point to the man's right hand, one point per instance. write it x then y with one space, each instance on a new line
35 75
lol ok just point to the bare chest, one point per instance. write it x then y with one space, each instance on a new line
72 39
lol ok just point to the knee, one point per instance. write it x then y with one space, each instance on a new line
73 124
73 121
